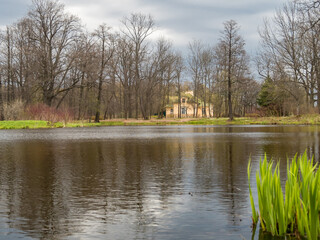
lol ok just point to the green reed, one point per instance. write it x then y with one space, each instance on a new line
297 211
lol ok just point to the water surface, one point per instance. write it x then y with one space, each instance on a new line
167 182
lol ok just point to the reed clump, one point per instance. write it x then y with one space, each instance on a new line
297 211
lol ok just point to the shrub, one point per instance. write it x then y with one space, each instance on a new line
253 115
41 111
14 110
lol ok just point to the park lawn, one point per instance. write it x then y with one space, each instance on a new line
23 124
311 119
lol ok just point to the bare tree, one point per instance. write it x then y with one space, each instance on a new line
24 59
137 27
178 68
6 38
195 68
1 100
105 51
158 72
233 45
124 70
291 48
165 74
87 70
53 34
207 62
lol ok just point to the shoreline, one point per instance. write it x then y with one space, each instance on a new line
291 120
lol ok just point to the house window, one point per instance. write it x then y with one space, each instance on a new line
183 100
203 111
171 111
183 110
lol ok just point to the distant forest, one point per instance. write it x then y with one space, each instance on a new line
52 68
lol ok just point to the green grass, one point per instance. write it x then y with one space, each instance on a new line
310 119
292 120
219 121
297 211
23 124
92 124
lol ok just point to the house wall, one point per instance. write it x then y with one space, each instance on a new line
189 111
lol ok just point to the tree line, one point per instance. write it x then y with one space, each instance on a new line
48 60
289 59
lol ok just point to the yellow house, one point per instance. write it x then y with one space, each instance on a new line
187 109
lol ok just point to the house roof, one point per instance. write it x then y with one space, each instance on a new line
174 99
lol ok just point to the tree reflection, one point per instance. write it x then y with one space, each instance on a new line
51 187
222 173
55 189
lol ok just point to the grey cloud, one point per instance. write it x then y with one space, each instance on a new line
188 19
203 19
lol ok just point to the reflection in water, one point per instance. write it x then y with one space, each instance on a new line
136 182
267 236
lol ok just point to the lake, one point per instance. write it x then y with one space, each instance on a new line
140 182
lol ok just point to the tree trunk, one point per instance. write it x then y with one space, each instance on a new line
80 96
1 102
229 82
97 117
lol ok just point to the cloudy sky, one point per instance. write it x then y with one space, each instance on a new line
181 21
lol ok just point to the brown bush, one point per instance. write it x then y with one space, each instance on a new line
14 110
253 115
42 111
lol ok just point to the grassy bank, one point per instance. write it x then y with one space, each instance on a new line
292 120
313 119
25 124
